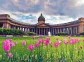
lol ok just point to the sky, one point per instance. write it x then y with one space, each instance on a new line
54 11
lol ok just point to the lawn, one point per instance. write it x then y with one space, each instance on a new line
50 49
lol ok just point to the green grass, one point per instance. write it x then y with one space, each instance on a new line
64 53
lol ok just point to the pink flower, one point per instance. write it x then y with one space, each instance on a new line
74 41
57 44
65 42
48 38
40 41
13 44
7 45
77 40
31 47
24 43
47 41
10 55
37 45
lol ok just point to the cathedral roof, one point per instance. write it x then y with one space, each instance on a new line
41 18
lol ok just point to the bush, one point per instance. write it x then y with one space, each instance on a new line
10 32
17 32
63 34
1 31
31 33
82 33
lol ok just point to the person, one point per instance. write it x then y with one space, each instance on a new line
49 34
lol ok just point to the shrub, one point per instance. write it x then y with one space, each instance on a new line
10 32
1 31
31 33
63 34
82 33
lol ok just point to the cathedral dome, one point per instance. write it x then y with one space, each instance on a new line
41 18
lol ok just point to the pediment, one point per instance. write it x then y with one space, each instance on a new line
43 25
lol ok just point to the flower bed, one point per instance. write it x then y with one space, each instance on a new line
44 50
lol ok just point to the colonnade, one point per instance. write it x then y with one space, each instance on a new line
71 30
25 29
55 31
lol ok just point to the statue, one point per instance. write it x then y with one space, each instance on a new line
49 34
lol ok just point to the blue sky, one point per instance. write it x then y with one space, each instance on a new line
54 11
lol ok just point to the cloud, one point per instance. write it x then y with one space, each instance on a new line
53 10
79 3
58 19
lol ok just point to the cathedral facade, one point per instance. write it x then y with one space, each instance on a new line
41 28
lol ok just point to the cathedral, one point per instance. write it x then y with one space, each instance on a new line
41 28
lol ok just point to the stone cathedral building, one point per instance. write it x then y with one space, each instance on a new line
41 28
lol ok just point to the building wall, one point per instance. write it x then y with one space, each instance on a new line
71 29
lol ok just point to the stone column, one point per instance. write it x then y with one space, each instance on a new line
36 31
20 28
56 31
53 31
68 30
60 30
76 30
25 29
44 31
33 29
71 30
14 27
6 25
39 31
